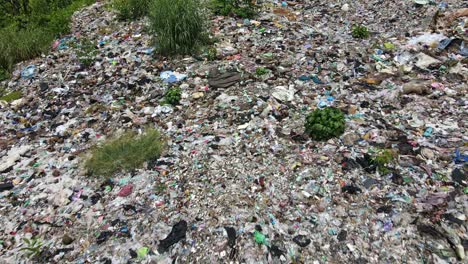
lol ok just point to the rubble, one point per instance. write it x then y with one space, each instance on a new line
240 181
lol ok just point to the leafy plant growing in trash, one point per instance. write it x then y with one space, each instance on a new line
86 52
173 96
125 152
211 54
323 124
384 157
33 247
260 71
359 31
241 8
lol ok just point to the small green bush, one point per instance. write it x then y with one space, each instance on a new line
131 9
359 31
211 54
241 8
384 157
261 71
173 96
86 52
325 124
125 153
178 25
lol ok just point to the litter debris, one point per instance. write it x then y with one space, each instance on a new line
177 233
172 77
239 166
28 72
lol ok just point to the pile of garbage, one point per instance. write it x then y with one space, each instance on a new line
240 181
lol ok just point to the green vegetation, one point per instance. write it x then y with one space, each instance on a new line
384 157
11 96
359 31
86 52
33 247
131 9
4 74
240 8
173 96
261 71
27 28
211 54
125 153
178 25
325 124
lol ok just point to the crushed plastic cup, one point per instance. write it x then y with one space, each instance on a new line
172 77
28 72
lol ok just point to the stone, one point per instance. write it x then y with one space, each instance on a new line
67 240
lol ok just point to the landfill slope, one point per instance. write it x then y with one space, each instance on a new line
240 180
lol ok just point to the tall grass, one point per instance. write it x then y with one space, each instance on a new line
124 153
28 35
178 25
21 45
131 9
240 8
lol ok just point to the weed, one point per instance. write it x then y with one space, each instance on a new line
4 74
325 124
131 9
211 54
359 31
261 71
21 45
29 32
160 188
383 158
86 52
11 96
178 26
126 152
33 247
95 108
173 96
241 8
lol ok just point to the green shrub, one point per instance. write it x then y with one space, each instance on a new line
241 8
131 9
384 157
39 7
58 23
173 96
359 31
325 124
261 71
126 152
178 25
86 52
211 54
